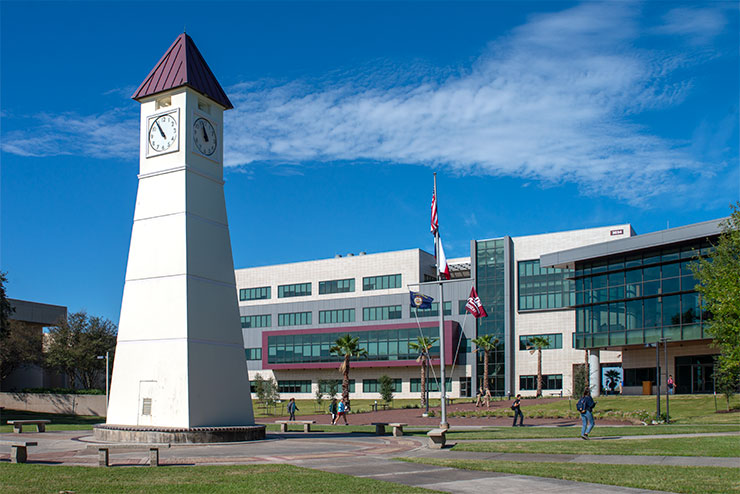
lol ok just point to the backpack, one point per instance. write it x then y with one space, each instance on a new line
581 405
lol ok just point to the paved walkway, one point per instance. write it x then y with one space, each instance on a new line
361 455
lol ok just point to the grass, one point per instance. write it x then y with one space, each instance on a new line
59 422
575 431
685 409
723 446
258 479
694 480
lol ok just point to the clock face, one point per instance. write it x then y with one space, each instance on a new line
204 136
163 133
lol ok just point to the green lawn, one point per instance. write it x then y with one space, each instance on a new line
693 480
575 431
258 479
59 422
726 446
684 409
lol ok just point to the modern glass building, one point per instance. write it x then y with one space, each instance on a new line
633 293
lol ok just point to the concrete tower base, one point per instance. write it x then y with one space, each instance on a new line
192 435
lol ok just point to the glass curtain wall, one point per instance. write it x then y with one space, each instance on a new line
491 285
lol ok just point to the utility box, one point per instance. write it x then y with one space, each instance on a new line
647 387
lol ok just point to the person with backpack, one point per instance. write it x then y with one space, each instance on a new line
517 407
342 412
292 409
586 407
333 411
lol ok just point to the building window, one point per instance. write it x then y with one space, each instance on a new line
635 377
294 319
465 388
549 382
325 384
544 288
381 282
337 286
432 311
555 339
381 345
258 321
261 293
432 385
373 385
295 290
253 353
381 313
461 306
336 316
294 386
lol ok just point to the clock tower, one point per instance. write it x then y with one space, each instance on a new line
180 368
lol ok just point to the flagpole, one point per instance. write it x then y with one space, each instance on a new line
443 384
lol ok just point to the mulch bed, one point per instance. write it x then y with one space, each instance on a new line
412 416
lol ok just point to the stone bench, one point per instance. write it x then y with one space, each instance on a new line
397 428
306 424
437 438
18 424
105 449
18 451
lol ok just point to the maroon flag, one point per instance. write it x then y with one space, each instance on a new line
474 306
435 221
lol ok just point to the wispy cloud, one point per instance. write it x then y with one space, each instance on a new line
698 25
551 102
112 134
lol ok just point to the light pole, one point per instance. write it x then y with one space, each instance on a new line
667 391
107 381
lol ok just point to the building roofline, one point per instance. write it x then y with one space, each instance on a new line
567 257
342 258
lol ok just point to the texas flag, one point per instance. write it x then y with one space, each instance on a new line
442 268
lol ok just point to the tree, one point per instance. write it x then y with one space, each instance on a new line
537 343
267 391
5 309
727 379
386 388
347 347
613 377
20 346
486 343
719 286
580 379
75 344
422 345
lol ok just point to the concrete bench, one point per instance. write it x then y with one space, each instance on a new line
397 428
105 449
18 451
306 424
437 438
18 424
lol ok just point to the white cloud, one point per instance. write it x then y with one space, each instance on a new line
551 102
698 25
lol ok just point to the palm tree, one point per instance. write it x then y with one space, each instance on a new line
613 377
486 343
537 343
346 346
423 345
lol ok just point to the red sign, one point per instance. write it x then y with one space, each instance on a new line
616 232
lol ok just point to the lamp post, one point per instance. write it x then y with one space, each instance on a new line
667 391
107 381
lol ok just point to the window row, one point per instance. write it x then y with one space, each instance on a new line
433 311
636 290
294 290
294 319
260 293
384 282
347 285
256 321
543 288
381 313
549 382
555 340
337 286
432 385
336 316
373 385
655 256
389 344
253 353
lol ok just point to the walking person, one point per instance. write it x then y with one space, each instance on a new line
292 409
488 398
342 412
586 406
517 407
479 397
333 409
671 384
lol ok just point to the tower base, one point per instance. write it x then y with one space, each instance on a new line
182 435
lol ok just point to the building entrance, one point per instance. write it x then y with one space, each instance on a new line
695 374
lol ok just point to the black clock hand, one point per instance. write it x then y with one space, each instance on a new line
205 135
160 130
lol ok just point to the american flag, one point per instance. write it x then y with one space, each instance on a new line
474 306
435 221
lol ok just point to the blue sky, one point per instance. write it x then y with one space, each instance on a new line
537 117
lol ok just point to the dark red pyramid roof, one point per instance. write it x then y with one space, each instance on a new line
183 65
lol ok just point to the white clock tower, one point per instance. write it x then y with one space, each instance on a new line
180 364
